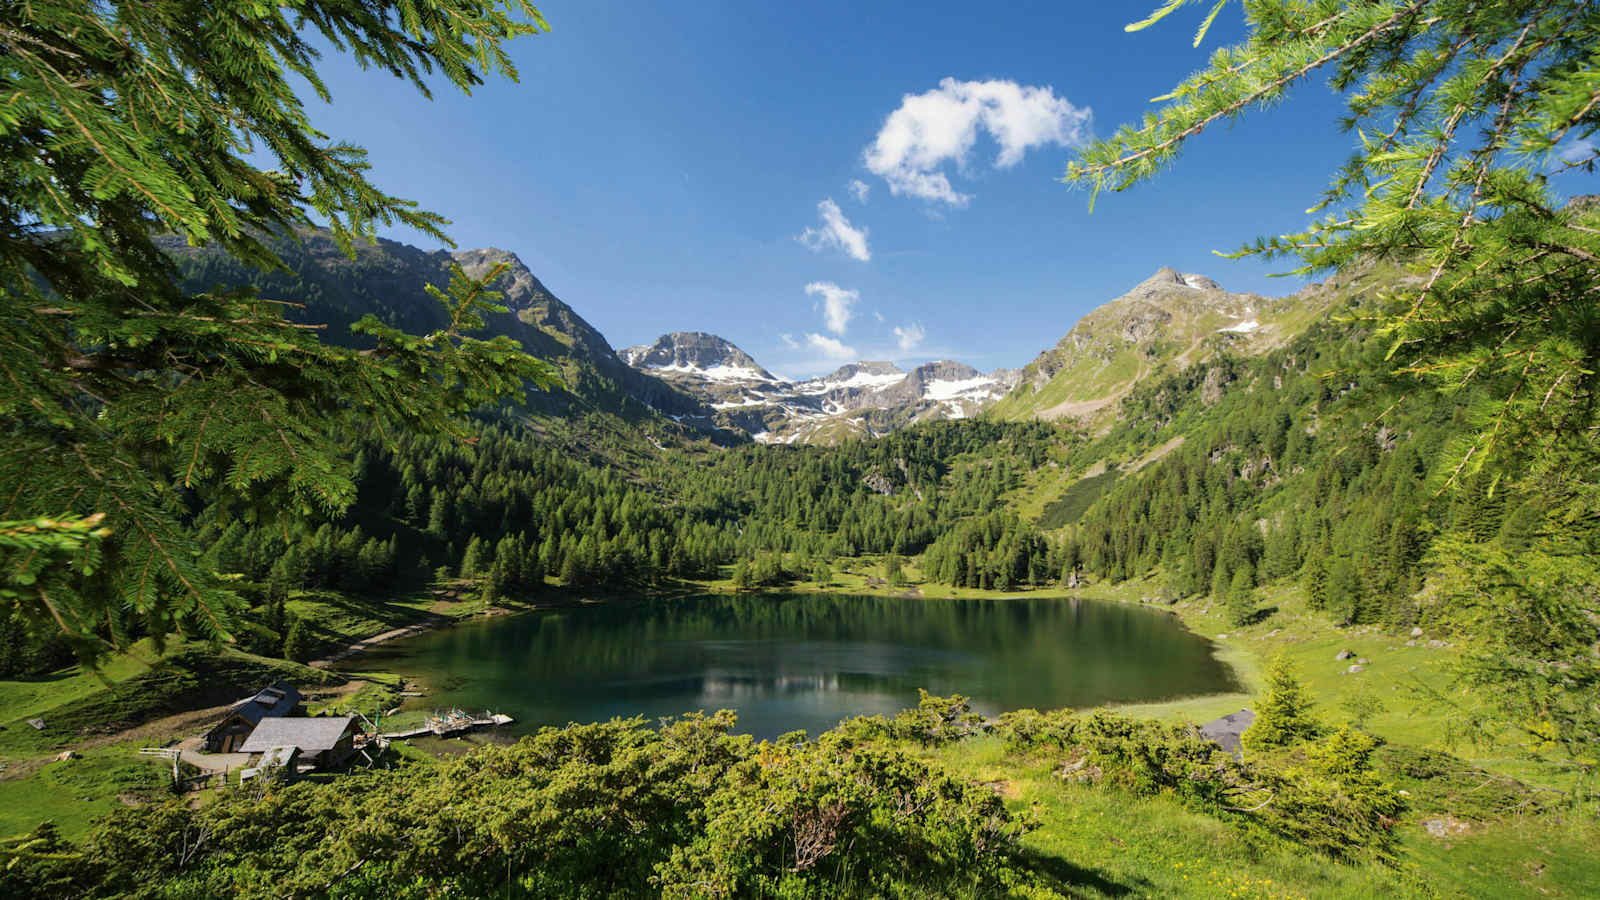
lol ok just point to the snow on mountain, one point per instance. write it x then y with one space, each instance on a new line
860 399
949 390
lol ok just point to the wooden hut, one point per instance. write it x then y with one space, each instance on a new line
273 701
323 741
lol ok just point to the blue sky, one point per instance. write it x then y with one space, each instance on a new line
658 167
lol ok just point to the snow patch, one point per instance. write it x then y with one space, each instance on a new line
716 373
1241 327
949 390
866 379
748 401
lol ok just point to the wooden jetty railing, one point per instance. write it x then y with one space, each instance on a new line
448 723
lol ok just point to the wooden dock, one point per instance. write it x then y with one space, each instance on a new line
451 723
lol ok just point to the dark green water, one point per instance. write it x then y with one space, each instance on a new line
796 661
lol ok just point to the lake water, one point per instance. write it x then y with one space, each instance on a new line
799 661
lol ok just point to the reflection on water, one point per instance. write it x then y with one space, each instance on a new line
795 661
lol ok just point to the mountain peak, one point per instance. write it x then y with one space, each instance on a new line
517 285
1167 278
864 374
696 352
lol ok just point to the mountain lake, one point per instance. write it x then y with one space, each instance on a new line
801 661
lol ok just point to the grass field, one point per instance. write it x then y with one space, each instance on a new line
73 793
1111 844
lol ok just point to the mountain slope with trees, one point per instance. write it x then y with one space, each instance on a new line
389 280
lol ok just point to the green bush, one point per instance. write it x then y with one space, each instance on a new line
937 720
1026 730
1325 794
1330 798
616 808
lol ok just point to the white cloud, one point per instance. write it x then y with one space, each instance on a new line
836 303
877 315
837 232
833 348
789 341
909 337
860 189
929 130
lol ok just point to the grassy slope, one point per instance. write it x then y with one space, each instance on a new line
1156 847
1111 844
104 718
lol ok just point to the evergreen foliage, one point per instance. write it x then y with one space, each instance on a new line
616 808
1286 476
127 397
1467 116
1327 796
297 643
1242 597
1284 715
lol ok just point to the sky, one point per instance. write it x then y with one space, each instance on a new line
826 182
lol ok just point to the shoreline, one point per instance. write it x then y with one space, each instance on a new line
358 647
1242 665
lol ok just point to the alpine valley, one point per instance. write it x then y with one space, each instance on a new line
333 567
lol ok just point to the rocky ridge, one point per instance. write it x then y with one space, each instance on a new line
389 279
858 399
1167 322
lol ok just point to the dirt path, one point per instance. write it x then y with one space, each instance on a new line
436 621
192 751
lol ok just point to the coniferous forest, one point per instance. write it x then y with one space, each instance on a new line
247 442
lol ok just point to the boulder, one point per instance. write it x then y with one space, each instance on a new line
1362 660
1355 668
1343 655
1444 826
1416 632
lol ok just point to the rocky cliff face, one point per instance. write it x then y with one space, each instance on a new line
1167 322
856 400
389 279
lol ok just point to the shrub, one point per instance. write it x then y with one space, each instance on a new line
1333 801
937 720
1028 729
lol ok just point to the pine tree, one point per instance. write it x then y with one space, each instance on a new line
121 125
1345 593
894 570
571 569
743 579
297 644
1285 713
821 572
439 515
475 561
1241 598
1315 580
